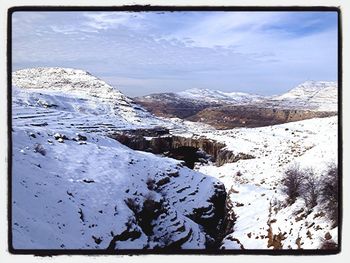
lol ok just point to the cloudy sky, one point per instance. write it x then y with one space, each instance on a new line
148 52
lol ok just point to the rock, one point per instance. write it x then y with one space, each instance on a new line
226 156
81 137
58 136
327 236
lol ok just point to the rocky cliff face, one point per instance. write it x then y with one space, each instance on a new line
228 117
188 149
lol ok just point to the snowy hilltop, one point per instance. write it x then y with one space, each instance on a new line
76 91
216 96
321 95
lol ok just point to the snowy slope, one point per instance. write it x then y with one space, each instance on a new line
73 194
254 185
75 91
215 96
320 95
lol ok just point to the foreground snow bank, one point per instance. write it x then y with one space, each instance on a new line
89 191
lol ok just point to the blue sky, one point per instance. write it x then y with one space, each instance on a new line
149 52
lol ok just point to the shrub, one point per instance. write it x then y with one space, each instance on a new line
329 192
292 181
311 188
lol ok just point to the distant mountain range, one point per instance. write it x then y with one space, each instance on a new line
76 91
215 96
315 95
228 110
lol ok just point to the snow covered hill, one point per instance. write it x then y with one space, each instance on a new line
76 91
311 95
310 89
215 96
316 95
320 95
73 187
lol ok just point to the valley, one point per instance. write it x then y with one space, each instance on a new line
197 170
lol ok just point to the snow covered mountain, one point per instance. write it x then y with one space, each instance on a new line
73 187
320 95
236 109
311 89
314 95
76 91
215 96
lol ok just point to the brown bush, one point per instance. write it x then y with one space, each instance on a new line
311 188
329 193
292 181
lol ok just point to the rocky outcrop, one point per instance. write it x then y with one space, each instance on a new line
210 214
213 217
226 156
190 150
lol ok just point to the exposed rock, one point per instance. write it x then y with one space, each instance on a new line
328 236
226 156
170 105
212 218
228 117
190 150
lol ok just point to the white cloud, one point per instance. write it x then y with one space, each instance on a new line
225 29
173 51
106 20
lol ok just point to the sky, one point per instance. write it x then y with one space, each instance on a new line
141 53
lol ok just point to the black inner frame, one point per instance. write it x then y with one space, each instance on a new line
150 8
